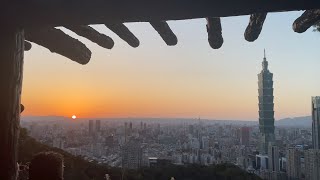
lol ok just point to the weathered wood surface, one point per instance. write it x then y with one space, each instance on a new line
306 20
254 27
57 41
214 30
11 66
165 32
84 12
124 33
93 35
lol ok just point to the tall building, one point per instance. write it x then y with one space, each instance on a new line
293 164
205 143
273 154
125 132
316 122
190 129
131 154
312 156
91 127
312 164
98 125
266 112
130 128
262 162
244 136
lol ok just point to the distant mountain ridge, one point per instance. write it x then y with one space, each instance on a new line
303 121
149 119
46 118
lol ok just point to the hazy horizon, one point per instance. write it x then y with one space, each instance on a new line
167 118
187 80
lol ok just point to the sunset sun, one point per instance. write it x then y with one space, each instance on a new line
74 117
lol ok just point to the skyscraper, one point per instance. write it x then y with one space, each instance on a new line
312 156
316 122
125 131
273 154
131 154
244 136
130 128
293 164
312 164
90 127
266 112
98 125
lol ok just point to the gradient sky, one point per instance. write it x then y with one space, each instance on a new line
187 80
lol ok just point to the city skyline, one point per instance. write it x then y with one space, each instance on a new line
188 80
268 151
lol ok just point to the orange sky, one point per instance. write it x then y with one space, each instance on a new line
188 80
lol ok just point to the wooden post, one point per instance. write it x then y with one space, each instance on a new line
11 67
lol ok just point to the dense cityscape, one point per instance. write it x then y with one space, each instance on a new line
271 152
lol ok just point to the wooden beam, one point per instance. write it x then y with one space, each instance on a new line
27 46
11 72
59 42
306 20
254 27
93 35
165 32
214 30
124 33
65 12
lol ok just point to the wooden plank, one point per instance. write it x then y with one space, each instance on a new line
254 27
165 32
93 35
214 30
306 20
125 34
11 67
83 12
59 42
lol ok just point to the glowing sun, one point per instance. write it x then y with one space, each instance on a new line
74 117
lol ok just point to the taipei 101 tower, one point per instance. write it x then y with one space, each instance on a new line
266 111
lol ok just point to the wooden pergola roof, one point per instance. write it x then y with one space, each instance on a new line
76 15
84 12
